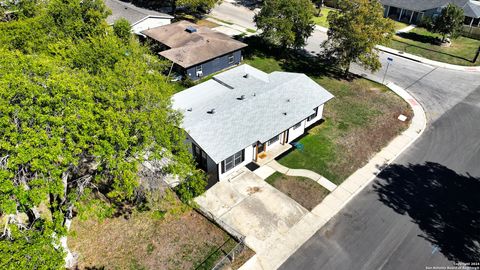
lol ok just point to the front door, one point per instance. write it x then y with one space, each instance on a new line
260 149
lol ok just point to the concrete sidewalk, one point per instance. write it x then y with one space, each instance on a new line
284 245
414 57
428 61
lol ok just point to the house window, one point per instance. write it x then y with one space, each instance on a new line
297 125
274 140
231 58
199 70
233 161
200 157
311 117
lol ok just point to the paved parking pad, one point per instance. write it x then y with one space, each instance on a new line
251 207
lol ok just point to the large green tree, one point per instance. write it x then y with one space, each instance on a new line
286 23
355 31
81 110
449 22
193 6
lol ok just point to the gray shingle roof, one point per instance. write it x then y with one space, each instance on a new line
236 123
470 8
130 12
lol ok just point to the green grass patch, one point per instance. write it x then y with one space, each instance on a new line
359 121
305 191
322 18
399 25
421 42
250 30
220 20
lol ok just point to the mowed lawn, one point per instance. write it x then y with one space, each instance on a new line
322 18
359 121
305 191
421 42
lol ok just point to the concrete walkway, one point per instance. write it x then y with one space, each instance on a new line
303 173
278 249
406 29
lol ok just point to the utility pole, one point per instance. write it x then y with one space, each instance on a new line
389 60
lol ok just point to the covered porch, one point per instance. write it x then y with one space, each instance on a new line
403 15
271 153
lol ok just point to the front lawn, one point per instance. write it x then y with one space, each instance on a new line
175 238
322 18
421 42
399 25
359 121
305 191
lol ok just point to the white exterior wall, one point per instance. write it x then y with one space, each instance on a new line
295 133
280 140
149 23
314 120
248 154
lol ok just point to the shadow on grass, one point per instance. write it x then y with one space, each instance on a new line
427 40
293 60
444 204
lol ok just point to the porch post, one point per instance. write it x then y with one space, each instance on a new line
411 17
400 15
388 11
471 22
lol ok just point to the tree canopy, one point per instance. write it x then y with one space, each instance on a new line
355 31
193 6
287 23
81 110
450 22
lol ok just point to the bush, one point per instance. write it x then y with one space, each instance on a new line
122 29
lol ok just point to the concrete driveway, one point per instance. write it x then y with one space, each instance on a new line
249 206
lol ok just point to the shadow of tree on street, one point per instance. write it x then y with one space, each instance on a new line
444 204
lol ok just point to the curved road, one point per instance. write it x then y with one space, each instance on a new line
424 209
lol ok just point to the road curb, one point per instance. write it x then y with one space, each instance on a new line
278 252
427 61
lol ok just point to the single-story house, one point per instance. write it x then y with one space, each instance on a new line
196 51
243 113
412 11
140 18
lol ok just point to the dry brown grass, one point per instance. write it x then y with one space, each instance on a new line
207 23
181 239
303 190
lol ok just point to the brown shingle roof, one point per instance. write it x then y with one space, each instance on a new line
188 49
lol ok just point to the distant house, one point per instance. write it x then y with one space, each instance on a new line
196 51
140 18
243 114
412 11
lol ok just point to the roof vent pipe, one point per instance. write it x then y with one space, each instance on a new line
242 97
212 111
245 76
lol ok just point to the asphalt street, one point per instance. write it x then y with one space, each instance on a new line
423 210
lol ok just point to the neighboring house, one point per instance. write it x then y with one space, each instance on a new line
412 11
140 18
243 114
196 51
